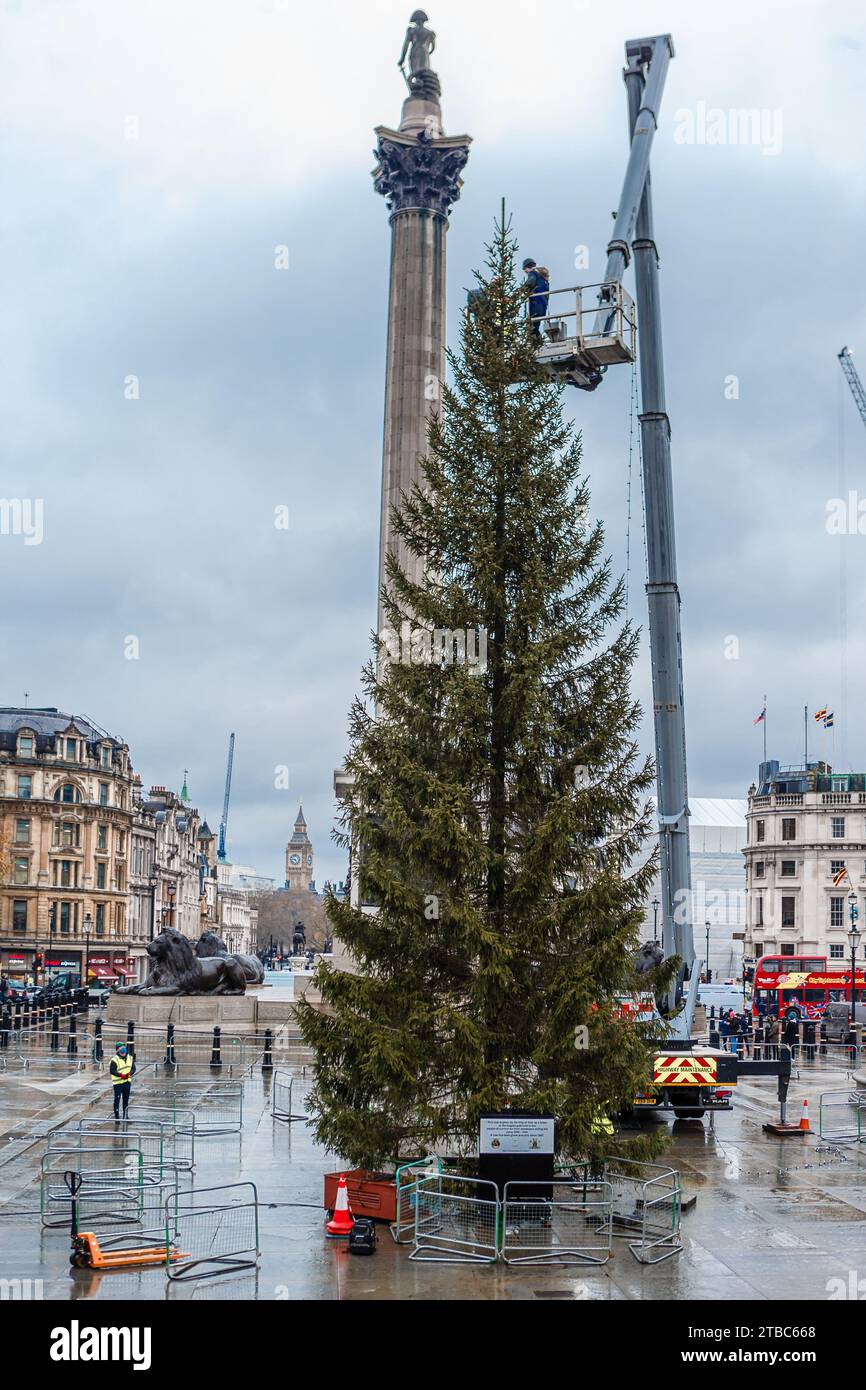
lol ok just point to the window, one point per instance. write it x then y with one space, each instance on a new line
760 868
25 746
836 866
789 868
22 832
771 967
25 788
837 912
100 875
71 750
100 919
760 828
788 914
102 837
789 828
837 951
68 794
69 833
121 841
64 919
787 947
22 870
104 756
103 793
837 827
759 910
118 874
67 874
839 784
813 965
759 949
19 915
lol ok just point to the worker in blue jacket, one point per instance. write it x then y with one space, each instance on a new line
538 282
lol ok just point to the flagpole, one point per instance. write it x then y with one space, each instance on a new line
765 728
805 738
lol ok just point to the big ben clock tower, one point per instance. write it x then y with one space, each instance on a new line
299 855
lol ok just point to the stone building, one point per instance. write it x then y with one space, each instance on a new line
805 860
66 819
299 855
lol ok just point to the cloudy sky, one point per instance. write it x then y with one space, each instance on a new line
155 152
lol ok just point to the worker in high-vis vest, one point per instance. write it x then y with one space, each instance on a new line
122 1070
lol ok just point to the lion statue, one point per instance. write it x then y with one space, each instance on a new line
210 945
176 969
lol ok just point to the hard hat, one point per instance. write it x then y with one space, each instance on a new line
528 264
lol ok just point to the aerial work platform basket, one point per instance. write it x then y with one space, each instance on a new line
586 329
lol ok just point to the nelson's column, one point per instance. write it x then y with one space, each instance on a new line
418 174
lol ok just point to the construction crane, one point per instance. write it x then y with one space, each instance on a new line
221 850
579 353
846 362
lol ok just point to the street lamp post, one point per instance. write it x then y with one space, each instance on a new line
707 954
153 881
656 905
853 942
88 927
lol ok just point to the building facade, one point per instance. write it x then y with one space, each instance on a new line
66 819
805 860
717 834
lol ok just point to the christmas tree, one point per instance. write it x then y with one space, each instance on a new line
498 801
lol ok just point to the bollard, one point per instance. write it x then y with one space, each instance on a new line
267 1055
715 1040
5 1029
169 1058
72 1040
216 1054
130 1036
97 1040
55 1031
17 1015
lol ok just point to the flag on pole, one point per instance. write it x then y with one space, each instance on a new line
819 715
840 876
761 716
828 720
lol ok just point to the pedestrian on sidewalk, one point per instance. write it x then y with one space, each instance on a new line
122 1070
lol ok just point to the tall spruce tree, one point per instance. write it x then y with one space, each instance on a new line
497 806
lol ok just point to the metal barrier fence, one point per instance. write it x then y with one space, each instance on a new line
842 1116
456 1220
178 1127
111 1182
218 1105
647 1204
185 1048
216 1228
32 1047
826 1056
563 1223
406 1179
281 1097
83 1134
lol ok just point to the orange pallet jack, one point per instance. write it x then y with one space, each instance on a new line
86 1252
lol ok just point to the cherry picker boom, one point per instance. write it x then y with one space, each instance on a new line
581 358
846 361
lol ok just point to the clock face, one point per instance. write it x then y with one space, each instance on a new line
309 860
295 859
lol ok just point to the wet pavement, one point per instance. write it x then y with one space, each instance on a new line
774 1218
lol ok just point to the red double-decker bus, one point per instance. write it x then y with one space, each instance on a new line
801 986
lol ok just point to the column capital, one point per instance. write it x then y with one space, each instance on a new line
419 170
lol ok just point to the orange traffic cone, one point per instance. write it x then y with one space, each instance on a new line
804 1119
342 1221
